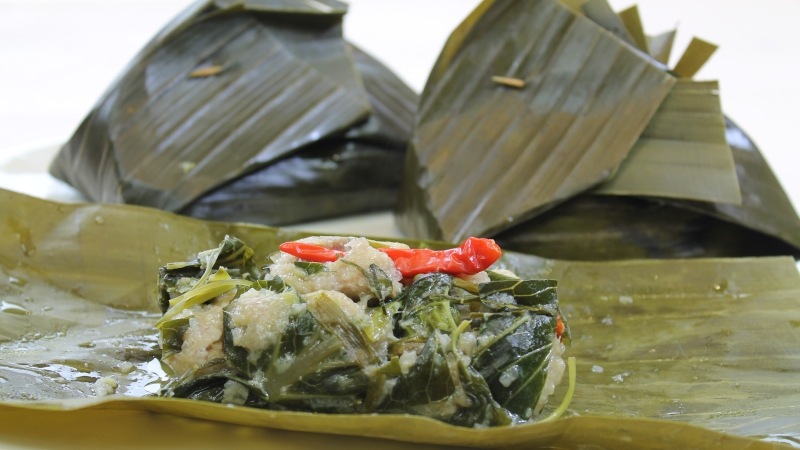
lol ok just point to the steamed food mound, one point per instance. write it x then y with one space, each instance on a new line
345 276
350 325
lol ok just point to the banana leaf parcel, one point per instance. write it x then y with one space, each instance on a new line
698 353
243 111
594 150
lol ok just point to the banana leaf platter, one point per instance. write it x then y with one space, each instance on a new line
558 129
696 353
238 111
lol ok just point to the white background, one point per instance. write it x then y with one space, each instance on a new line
58 56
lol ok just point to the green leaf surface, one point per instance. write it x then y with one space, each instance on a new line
599 227
683 152
155 138
322 7
515 365
484 157
694 57
601 13
765 206
678 334
633 23
341 175
661 45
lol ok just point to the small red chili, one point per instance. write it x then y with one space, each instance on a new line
559 327
310 252
472 256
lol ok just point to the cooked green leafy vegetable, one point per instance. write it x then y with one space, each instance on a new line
466 353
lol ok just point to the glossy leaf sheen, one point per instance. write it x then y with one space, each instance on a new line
484 157
164 136
598 227
337 176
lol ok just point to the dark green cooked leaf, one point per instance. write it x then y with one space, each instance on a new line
515 364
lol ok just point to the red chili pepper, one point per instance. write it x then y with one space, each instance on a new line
310 252
559 327
473 256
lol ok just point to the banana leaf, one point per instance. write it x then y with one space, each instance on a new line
336 176
671 353
601 13
596 227
661 45
484 156
684 191
765 206
683 152
230 88
695 56
633 23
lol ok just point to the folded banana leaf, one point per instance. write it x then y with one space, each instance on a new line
671 353
683 152
336 176
661 45
693 164
227 91
526 162
597 227
485 156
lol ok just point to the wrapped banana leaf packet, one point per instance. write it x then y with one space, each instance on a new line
560 130
254 111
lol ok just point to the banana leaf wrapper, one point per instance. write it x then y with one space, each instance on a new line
683 152
228 89
336 176
485 156
597 227
689 184
671 353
